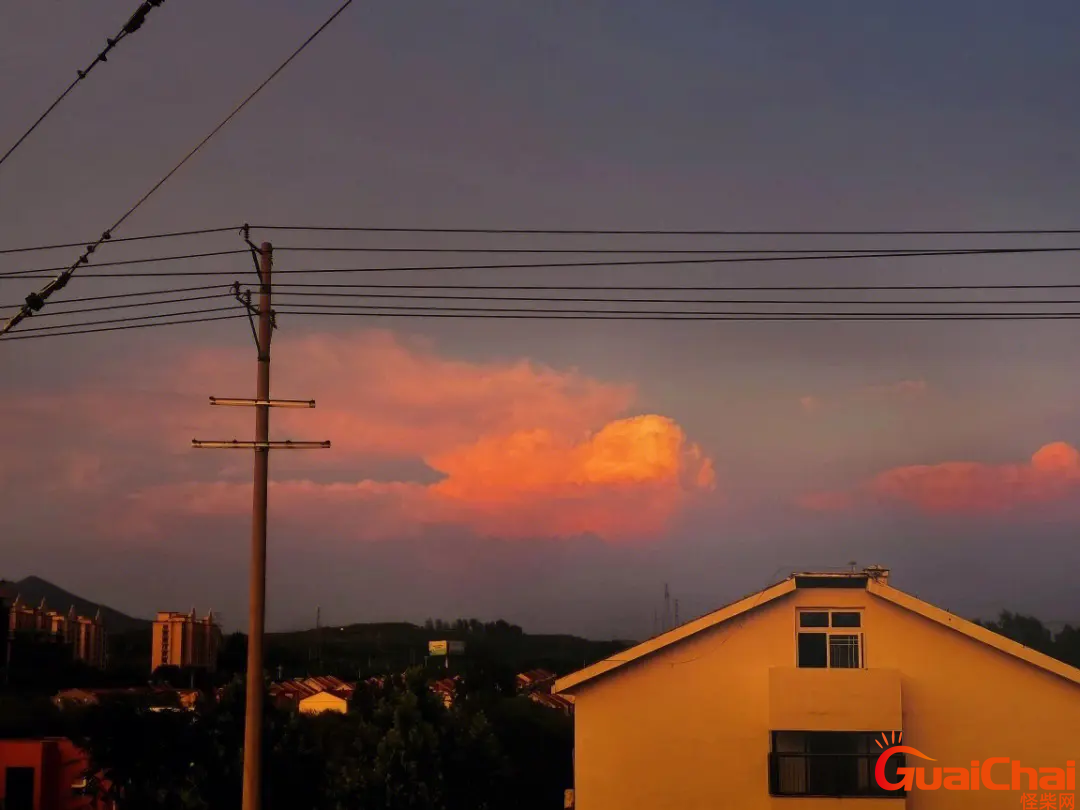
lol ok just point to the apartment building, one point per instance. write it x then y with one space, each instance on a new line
85 636
821 689
184 640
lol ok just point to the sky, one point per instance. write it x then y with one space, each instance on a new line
555 474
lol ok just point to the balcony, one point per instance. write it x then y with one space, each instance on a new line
835 699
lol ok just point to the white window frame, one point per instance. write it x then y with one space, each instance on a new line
830 631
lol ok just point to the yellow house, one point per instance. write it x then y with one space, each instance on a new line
330 700
792 697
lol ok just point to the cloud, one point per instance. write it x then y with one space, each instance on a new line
507 449
966 487
626 481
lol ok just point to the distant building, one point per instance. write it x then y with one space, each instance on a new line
290 694
84 636
535 680
446 690
561 703
47 774
329 700
182 640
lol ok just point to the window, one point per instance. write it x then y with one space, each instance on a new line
828 763
830 639
19 788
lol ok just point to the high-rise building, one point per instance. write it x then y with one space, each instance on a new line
183 640
85 636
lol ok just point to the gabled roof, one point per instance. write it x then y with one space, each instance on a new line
871 583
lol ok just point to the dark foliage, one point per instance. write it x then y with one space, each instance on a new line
1029 631
397 748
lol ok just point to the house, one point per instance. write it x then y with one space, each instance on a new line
562 703
445 690
328 700
46 774
289 694
535 680
781 700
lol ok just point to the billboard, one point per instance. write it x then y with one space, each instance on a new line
446 647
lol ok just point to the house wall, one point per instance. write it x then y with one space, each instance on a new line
688 727
323 702
58 763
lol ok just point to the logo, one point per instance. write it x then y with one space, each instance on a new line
995 773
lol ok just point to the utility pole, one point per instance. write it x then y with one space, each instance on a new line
253 715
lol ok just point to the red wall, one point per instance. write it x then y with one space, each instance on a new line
57 764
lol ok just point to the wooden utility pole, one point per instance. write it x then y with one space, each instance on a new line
253 716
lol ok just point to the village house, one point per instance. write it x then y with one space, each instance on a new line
790 697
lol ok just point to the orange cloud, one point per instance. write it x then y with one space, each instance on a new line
628 480
523 450
1052 474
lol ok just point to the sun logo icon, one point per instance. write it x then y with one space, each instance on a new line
896 739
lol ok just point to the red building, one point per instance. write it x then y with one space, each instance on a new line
45 774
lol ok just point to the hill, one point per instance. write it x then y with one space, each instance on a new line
379 647
33 589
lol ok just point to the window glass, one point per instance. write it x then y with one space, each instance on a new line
813 650
846 619
814 619
828 763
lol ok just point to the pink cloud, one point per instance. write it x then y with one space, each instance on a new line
1052 474
628 480
524 450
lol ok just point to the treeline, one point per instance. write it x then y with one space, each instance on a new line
398 748
360 650
473 627
1029 631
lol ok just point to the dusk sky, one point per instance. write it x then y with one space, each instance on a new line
555 474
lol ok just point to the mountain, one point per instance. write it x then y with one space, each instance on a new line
34 589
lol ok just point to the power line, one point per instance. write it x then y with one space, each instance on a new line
147 260
291 289
129 319
118 239
130 27
436 312
620 263
35 301
609 300
635 251
173 291
649 316
632 232
684 288
364 309
108 307
69 333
